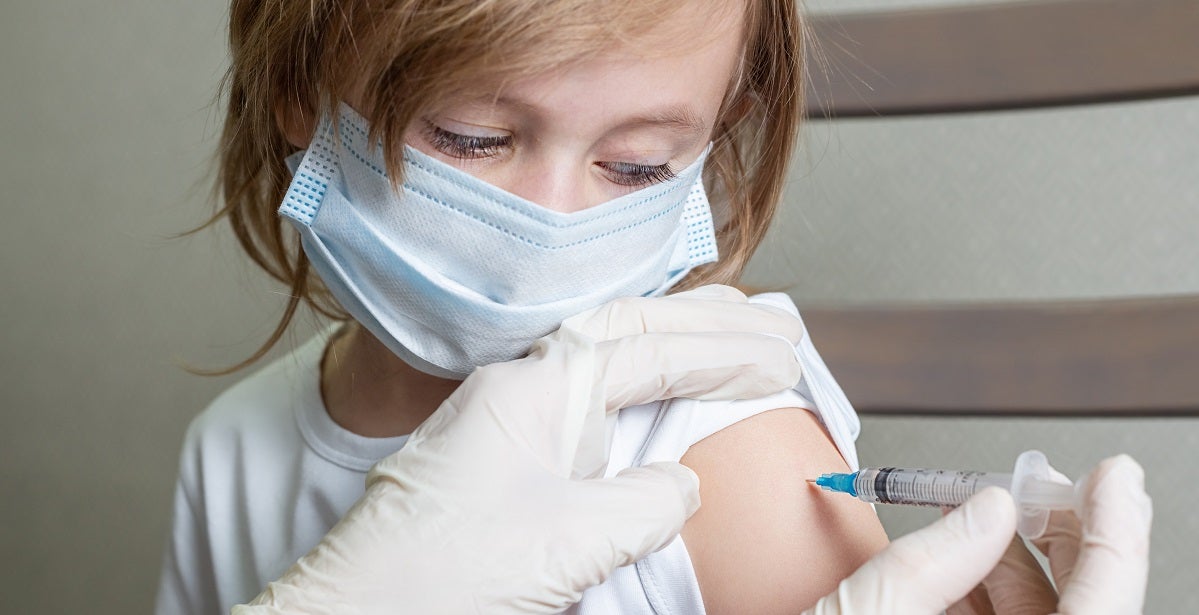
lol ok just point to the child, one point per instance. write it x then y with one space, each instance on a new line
464 175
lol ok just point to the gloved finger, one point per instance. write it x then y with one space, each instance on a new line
930 569
1018 585
643 368
636 512
566 431
1060 540
1113 561
977 602
1060 544
720 292
709 308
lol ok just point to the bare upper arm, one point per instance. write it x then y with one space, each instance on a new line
763 540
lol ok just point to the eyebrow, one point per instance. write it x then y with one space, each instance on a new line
679 117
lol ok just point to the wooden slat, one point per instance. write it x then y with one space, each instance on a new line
1003 56
1106 358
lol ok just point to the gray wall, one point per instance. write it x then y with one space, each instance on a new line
107 131
1097 201
858 6
1163 446
1021 206
1070 203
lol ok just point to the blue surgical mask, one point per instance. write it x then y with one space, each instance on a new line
452 273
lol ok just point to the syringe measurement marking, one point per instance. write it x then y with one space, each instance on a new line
922 488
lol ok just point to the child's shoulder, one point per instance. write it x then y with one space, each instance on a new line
267 398
778 300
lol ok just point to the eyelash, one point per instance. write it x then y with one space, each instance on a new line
469 147
464 146
630 174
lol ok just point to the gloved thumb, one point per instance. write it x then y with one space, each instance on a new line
1112 569
636 512
930 569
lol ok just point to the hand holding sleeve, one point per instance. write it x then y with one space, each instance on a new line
490 508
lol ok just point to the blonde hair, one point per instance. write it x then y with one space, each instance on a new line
289 59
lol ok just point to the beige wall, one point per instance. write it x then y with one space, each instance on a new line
107 128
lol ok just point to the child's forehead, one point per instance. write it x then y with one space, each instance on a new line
687 40
520 37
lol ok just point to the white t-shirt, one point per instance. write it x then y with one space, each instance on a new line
265 473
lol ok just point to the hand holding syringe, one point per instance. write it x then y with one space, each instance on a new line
967 561
1034 490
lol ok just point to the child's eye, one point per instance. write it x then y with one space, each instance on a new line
630 174
465 146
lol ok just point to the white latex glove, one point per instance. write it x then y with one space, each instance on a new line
478 512
1100 565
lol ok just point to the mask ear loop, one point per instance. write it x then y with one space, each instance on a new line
293 161
698 223
312 174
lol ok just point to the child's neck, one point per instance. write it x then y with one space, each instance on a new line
371 392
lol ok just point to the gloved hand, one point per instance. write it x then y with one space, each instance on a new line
478 513
1100 565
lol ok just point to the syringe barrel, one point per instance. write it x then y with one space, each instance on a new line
917 487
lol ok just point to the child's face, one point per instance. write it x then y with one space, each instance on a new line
575 138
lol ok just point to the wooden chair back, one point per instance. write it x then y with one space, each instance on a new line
1136 357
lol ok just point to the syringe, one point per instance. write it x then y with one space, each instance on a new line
1030 484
